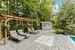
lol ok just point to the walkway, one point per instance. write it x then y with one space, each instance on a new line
60 42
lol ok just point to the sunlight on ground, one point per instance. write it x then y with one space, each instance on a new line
45 40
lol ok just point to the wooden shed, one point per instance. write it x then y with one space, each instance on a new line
46 25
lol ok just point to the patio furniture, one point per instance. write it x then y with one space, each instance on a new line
32 31
21 33
15 37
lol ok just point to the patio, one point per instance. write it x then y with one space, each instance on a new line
60 42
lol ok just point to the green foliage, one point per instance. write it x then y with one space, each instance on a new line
15 26
12 25
65 19
29 8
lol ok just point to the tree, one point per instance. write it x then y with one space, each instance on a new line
66 17
29 8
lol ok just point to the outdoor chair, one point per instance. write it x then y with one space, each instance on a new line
15 37
32 31
21 33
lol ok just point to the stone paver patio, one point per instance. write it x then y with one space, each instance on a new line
60 42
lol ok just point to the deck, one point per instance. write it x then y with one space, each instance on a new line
60 42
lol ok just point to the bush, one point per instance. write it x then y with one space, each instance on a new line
58 31
65 18
12 25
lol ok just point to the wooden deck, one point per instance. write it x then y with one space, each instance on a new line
61 42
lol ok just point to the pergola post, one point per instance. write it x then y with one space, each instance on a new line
32 23
37 23
20 22
0 32
17 21
6 38
28 26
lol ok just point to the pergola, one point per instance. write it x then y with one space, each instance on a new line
7 18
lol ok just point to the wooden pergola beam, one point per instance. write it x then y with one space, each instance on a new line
19 18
